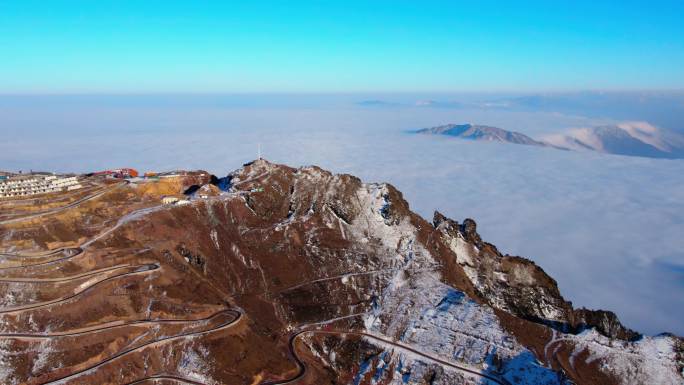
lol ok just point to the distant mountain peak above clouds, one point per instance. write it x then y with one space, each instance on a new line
376 103
438 104
481 132
628 138
423 103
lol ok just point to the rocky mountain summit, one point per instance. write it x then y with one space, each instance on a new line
291 275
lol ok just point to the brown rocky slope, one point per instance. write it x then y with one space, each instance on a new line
292 275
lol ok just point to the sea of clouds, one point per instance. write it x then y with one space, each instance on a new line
609 229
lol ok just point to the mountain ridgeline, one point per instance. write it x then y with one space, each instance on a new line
629 139
479 132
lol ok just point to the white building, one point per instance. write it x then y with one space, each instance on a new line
19 186
169 200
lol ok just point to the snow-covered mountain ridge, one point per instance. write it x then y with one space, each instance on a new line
480 132
627 138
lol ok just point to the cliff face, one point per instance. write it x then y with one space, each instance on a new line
295 274
518 286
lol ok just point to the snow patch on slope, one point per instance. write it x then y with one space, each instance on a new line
416 309
650 360
194 364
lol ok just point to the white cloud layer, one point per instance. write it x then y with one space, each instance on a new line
608 228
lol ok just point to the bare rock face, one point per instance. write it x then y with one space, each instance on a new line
520 287
292 274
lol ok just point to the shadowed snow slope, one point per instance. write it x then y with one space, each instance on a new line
478 132
630 138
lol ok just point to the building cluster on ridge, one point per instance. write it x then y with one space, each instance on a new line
23 185
16 185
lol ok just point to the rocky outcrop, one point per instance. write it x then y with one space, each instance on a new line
519 286
606 322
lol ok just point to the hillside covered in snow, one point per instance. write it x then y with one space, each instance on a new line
628 138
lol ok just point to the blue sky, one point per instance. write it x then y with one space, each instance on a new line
345 46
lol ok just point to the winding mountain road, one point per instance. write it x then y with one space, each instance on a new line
226 324
161 377
61 279
65 207
113 325
302 367
139 269
70 252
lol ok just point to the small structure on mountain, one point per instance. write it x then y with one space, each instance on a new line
169 200
208 190
119 173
